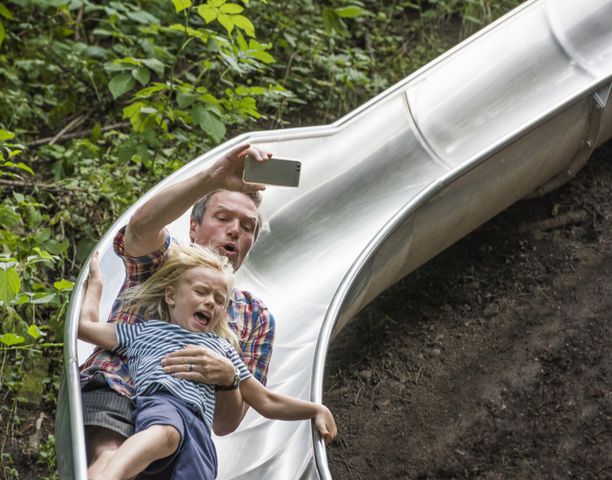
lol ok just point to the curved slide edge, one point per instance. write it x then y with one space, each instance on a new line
383 190
581 35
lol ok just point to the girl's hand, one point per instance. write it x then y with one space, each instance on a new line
325 423
91 329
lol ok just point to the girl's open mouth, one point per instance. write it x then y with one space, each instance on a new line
202 318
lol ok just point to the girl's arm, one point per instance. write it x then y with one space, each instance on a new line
90 329
282 407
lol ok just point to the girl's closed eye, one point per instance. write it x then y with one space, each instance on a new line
201 291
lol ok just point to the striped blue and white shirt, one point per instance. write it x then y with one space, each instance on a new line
146 343
248 317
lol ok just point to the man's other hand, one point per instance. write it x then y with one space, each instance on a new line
199 364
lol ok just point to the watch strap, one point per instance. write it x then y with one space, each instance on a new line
233 386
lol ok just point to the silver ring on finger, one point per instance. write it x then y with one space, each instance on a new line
191 367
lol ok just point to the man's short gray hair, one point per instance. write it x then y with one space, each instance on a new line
197 212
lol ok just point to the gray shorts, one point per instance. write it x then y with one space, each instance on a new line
103 407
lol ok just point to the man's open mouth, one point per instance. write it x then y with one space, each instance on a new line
230 249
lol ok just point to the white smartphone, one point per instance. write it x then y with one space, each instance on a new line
276 171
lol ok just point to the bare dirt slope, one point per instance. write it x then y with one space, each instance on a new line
494 360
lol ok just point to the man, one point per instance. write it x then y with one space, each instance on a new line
224 218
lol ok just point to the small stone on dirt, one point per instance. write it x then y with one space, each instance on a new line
491 310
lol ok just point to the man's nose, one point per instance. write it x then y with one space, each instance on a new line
233 228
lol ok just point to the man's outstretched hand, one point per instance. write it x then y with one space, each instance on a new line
227 172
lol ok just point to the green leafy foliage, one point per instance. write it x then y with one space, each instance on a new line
25 262
181 5
4 12
10 284
100 100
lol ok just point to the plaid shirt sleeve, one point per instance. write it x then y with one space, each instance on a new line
112 366
137 271
255 327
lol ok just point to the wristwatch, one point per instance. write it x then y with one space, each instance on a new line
232 386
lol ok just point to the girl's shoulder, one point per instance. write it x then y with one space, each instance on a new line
156 325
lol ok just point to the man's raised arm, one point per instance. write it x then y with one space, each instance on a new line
146 230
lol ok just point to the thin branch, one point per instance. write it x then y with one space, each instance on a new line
49 187
77 23
568 218
80 134
31 347
71 125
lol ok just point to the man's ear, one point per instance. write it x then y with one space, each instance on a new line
169 295
193 224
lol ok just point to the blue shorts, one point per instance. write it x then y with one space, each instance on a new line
196 457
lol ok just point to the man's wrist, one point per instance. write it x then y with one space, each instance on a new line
206 181
235 383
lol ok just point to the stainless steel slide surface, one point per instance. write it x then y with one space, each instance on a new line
516 109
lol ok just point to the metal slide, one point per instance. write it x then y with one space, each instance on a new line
515 110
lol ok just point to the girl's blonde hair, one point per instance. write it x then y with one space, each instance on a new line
150 297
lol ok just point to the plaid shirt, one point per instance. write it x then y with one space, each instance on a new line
249 317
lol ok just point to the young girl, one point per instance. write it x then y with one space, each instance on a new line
183 303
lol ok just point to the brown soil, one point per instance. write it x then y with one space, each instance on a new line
493 360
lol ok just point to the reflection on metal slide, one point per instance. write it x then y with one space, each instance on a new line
515 110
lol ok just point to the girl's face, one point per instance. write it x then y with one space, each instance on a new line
198 302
